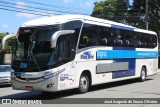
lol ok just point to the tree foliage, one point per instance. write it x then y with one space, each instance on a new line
135 14
1 37
8 46
111 9
153 14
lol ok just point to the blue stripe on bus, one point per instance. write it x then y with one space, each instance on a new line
122 27
126 73
125 55
121 54
131 62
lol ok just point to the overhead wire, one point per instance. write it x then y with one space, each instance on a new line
38 8
54 6
22 11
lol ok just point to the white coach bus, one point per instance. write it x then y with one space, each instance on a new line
76 51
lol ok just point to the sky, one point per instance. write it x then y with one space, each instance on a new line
11 21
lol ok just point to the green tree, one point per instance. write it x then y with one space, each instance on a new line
8 46
153 14
135 15
1 51
9 43
114 10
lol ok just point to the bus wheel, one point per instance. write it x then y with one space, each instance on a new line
143 75
46 93
83 84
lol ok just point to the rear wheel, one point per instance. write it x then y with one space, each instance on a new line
83 84
143 75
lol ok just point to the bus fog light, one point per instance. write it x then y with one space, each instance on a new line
50 85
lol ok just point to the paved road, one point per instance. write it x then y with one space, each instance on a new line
122 89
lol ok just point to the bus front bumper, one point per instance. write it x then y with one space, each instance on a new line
49 85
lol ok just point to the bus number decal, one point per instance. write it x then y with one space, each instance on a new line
101 54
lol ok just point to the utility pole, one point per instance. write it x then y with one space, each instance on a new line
146 14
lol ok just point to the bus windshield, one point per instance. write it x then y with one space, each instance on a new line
33 50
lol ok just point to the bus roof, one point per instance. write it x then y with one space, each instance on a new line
59 19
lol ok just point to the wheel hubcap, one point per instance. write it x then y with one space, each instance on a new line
143 75
84 83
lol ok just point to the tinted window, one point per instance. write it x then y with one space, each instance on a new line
89 36
63 49
73 25
93 35
33 47
137 39
107 36
152 41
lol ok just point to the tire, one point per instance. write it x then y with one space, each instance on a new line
143 75
46 93
83 84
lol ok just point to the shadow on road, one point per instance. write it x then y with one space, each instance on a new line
116 84
4 86
36 95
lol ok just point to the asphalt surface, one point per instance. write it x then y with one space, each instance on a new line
122 89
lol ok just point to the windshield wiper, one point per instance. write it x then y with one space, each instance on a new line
30 52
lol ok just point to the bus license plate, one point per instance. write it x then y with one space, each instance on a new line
28 87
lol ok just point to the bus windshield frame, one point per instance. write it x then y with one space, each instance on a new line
33 51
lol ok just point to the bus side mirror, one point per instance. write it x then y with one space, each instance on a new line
57 34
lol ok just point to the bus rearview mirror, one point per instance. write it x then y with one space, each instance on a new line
57 34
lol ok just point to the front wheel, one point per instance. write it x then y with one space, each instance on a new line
143 75
83 84
46 93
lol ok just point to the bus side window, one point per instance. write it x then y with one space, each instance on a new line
143 42
104 36
103 41
92 40
63 49
73 25
118 41
153 41
84 41
125 39
89 36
